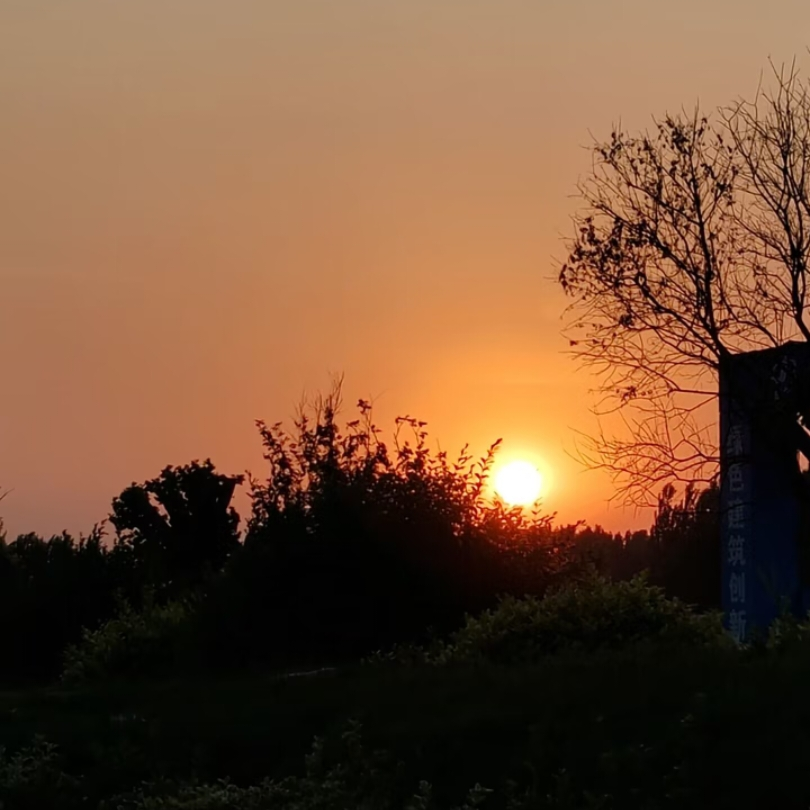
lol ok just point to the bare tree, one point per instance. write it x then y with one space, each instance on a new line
692 243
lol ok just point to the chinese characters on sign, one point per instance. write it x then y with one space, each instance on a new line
737 524
764 396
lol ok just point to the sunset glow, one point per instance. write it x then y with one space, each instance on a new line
207 212
519 483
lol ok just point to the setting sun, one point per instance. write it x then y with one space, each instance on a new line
519 483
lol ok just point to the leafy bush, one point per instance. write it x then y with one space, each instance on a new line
356 543
587 615
132 643
32 778
788 635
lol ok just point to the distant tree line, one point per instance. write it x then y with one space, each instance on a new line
353 544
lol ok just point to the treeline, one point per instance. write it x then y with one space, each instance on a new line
353 544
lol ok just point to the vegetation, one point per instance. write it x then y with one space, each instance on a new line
341 522
647 726
156 679
148 641
179 528
585 616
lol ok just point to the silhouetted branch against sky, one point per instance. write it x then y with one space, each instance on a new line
691 243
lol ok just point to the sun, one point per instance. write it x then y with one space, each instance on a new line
519 483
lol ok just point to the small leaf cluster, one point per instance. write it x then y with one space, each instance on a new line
134 642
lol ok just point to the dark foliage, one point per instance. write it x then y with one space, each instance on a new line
49 591
179 527
52 591
134 643
642 728
353 545
681 551
585 616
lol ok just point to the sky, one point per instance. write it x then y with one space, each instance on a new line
208 208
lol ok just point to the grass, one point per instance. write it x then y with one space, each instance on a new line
731 730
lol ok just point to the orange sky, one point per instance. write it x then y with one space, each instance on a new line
206 207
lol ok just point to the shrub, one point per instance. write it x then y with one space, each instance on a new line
32 778
356 543
134 642
788 635
588 615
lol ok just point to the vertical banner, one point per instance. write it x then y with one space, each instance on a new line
762 497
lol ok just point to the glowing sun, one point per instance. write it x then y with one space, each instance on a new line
519 483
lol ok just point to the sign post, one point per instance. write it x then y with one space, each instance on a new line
765 502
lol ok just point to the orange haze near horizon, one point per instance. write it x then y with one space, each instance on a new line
206 208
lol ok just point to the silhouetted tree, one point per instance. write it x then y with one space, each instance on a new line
179 527
680 552
686 540
693 243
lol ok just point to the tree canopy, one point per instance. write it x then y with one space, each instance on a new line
692 243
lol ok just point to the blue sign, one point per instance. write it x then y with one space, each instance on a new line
763 498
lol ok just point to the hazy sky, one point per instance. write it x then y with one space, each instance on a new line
206 207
